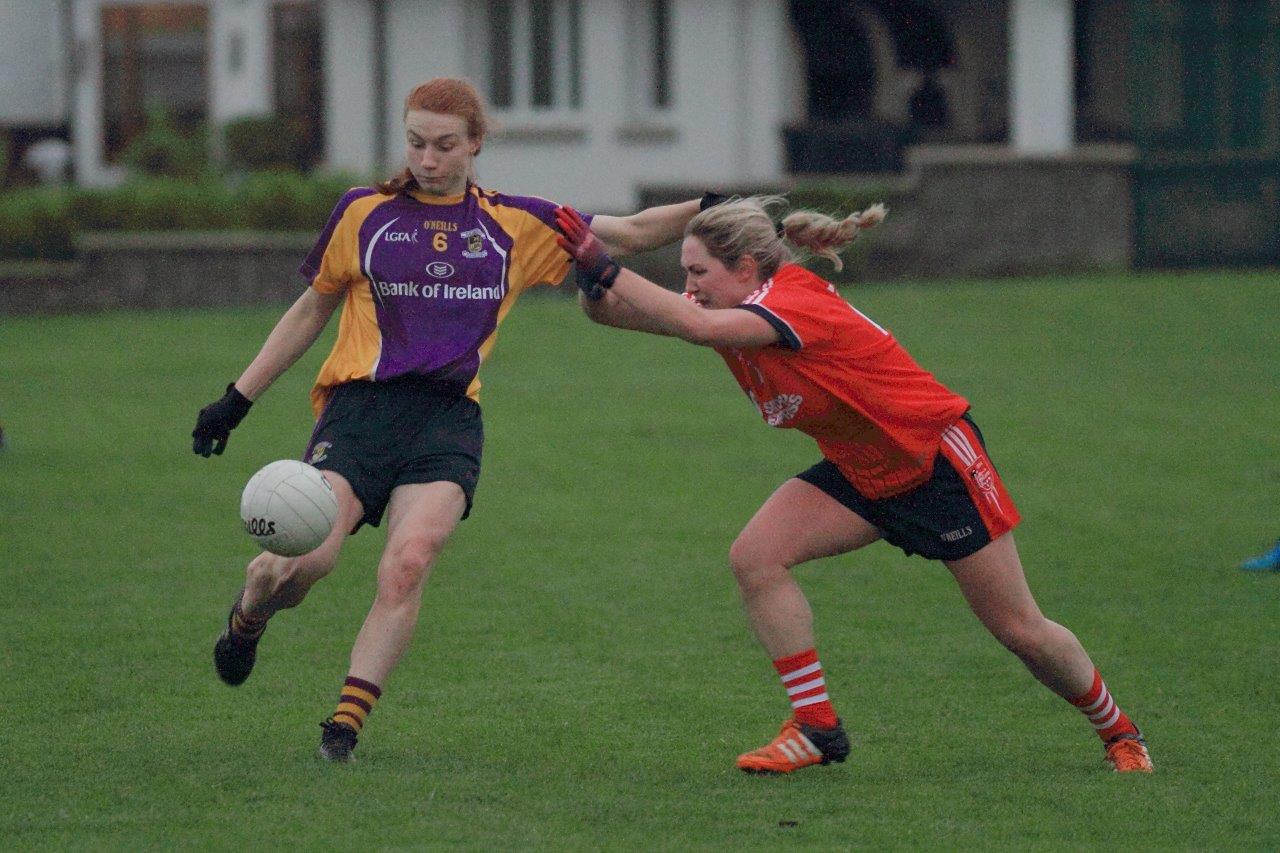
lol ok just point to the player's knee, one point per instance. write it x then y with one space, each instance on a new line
406 567
1028 638
753 567
264 571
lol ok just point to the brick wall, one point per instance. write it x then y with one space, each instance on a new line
193 269
162 270
975 211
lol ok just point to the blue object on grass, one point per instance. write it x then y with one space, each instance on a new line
1268 562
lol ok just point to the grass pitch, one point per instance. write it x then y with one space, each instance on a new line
583 676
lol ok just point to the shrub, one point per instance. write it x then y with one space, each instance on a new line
157 204
272 200
835 198
36 224
41 223
261 143
283 200
163 151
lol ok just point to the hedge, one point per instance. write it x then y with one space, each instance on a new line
42 223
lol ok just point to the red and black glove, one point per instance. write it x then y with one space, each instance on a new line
596 271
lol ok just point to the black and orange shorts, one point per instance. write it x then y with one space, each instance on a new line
961 508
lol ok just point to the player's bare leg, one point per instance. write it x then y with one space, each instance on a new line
274 583
421 517
993 582
798 523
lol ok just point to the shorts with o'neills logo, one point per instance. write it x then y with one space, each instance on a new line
379 435
961 508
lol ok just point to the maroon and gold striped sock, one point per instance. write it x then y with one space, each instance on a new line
357 701
248 627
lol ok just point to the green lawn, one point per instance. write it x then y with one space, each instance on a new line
583 677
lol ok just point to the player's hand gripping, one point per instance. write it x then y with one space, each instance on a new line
216 421
596 271
711 198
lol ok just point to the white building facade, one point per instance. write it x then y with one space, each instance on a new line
590 98
617 97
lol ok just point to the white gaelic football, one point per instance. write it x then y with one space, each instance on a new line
288 507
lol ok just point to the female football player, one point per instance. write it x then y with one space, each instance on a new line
901 458
425 267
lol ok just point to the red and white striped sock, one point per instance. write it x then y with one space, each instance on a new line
1103 712
806 686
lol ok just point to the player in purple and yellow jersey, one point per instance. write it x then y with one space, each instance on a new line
425 267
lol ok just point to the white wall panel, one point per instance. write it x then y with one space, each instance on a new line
33 63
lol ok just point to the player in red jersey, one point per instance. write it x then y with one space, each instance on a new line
901 458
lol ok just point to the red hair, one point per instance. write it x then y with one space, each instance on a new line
450 96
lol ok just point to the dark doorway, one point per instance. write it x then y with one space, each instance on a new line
299 75
154 58
843 132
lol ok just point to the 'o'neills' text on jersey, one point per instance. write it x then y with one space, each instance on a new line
427 281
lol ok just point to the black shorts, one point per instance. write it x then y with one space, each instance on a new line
379 435
961 508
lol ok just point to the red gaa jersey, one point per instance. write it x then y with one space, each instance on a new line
842 379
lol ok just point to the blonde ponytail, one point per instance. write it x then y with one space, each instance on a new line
825 236
741 227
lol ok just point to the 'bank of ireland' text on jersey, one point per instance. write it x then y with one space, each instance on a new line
427 281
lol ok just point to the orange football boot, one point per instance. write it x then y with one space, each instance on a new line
796 746
1128 754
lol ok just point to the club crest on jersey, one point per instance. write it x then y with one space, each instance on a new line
475 244
984 479
781 409
320 452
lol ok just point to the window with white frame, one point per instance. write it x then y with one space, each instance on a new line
649 65
533 58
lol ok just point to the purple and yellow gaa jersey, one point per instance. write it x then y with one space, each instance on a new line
427 281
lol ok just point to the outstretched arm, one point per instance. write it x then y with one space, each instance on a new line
619 297
672 314
648 229
610 309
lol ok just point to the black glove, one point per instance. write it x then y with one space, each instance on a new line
711 198
216 421
590 288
